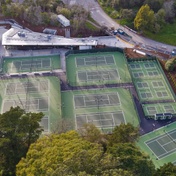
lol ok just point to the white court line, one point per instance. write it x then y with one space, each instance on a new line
113 120
75 60
160 91
11 67
113 60
50 62
76 127
152 73
86 77
170 106
152 110
98 73
108 98
95 95
37 104
6 88
49 104
84 101
150 92
151 151
168 142
74 105
167 153
167 135
87 121
124 117
3 102
160 136
99 120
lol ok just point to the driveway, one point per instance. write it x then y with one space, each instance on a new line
104 20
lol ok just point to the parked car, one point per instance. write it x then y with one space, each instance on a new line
174 52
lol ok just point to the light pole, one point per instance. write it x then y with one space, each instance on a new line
98 100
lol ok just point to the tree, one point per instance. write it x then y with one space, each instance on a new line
167 169
154 4
132 159
18 130
160 17
144 19
170 64
169 9
91 133
127 14
66 154
116 172
123 134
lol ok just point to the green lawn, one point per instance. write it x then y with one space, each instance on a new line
166 35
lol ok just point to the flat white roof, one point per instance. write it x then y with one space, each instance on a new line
28 38
63 18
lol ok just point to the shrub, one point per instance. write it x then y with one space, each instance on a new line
170 64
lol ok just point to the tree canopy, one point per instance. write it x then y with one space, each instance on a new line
124 133
170 64
132 159
167 169
74 154
18 130
65 154
144 18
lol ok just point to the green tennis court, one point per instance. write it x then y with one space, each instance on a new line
31 64
163 145
160 145
109 99
105 120
98 75
149 81
95 61
97 69
105 108
34 94
158 108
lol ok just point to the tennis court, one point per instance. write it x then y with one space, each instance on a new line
158 108
31 64
160 145
138 65
34 94
30 105
149 81
97 75
36 64
97 69
95 60
101 120
163 145
24 87
105 108
82 101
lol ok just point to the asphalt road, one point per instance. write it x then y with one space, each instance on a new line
104 20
